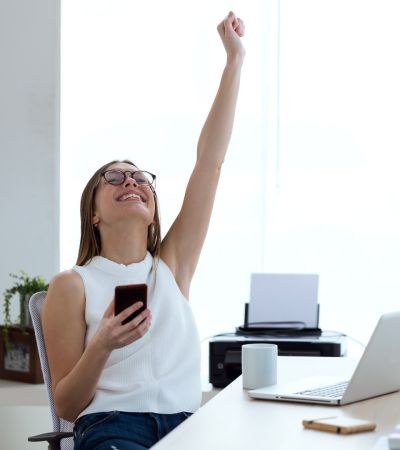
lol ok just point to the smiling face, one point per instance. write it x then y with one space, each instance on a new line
103 203
128 202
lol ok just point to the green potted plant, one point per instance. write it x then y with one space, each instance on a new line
25 286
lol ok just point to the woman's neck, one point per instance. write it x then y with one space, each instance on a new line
124 246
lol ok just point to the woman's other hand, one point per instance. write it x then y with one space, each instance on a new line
112 334
231 29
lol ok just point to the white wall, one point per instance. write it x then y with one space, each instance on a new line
29 138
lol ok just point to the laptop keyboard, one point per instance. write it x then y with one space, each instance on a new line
332 391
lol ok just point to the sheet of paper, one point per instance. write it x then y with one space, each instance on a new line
284 298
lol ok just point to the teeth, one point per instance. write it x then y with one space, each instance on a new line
127 196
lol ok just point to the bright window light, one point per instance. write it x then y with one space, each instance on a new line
310 182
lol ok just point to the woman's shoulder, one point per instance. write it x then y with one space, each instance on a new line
65 301
66 284
165 268
68 278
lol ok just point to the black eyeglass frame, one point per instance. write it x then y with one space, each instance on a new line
131 175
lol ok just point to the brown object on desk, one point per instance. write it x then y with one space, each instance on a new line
340 425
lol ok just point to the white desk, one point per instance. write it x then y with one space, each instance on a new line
14 393
19 422
233 421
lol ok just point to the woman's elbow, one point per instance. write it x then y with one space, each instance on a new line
65 413
64 409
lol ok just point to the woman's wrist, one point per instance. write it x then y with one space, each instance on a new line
236 60
99 347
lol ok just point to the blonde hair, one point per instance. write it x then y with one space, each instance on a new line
90 243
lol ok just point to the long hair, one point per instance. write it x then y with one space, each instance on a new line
90 244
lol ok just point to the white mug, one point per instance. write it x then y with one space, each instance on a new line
259 365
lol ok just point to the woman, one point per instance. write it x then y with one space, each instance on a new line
127 385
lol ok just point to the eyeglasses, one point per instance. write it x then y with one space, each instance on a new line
117 177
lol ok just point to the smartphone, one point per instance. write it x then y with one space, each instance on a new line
341 425
126 296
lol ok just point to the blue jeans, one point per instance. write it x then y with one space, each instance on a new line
116 430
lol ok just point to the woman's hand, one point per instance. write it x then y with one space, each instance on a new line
112 334
231 29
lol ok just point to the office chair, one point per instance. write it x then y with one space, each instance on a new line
62 429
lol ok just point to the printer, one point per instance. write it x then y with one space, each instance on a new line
283 310
225 351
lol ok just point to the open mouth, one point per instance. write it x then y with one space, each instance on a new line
130 196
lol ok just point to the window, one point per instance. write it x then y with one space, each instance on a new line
138 81
310 183
333 200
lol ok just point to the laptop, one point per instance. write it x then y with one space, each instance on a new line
377 373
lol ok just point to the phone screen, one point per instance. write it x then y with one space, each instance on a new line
126 296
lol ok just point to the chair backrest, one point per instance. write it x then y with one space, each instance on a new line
59 424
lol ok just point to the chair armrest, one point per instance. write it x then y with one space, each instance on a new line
52 438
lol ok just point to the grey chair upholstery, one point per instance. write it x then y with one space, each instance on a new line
61 437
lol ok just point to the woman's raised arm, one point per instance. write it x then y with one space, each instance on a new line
182 245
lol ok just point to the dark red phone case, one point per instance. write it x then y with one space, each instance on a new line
126 296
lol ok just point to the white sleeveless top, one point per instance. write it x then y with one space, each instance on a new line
159 372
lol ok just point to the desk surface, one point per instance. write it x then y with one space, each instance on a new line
233 421
19 422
